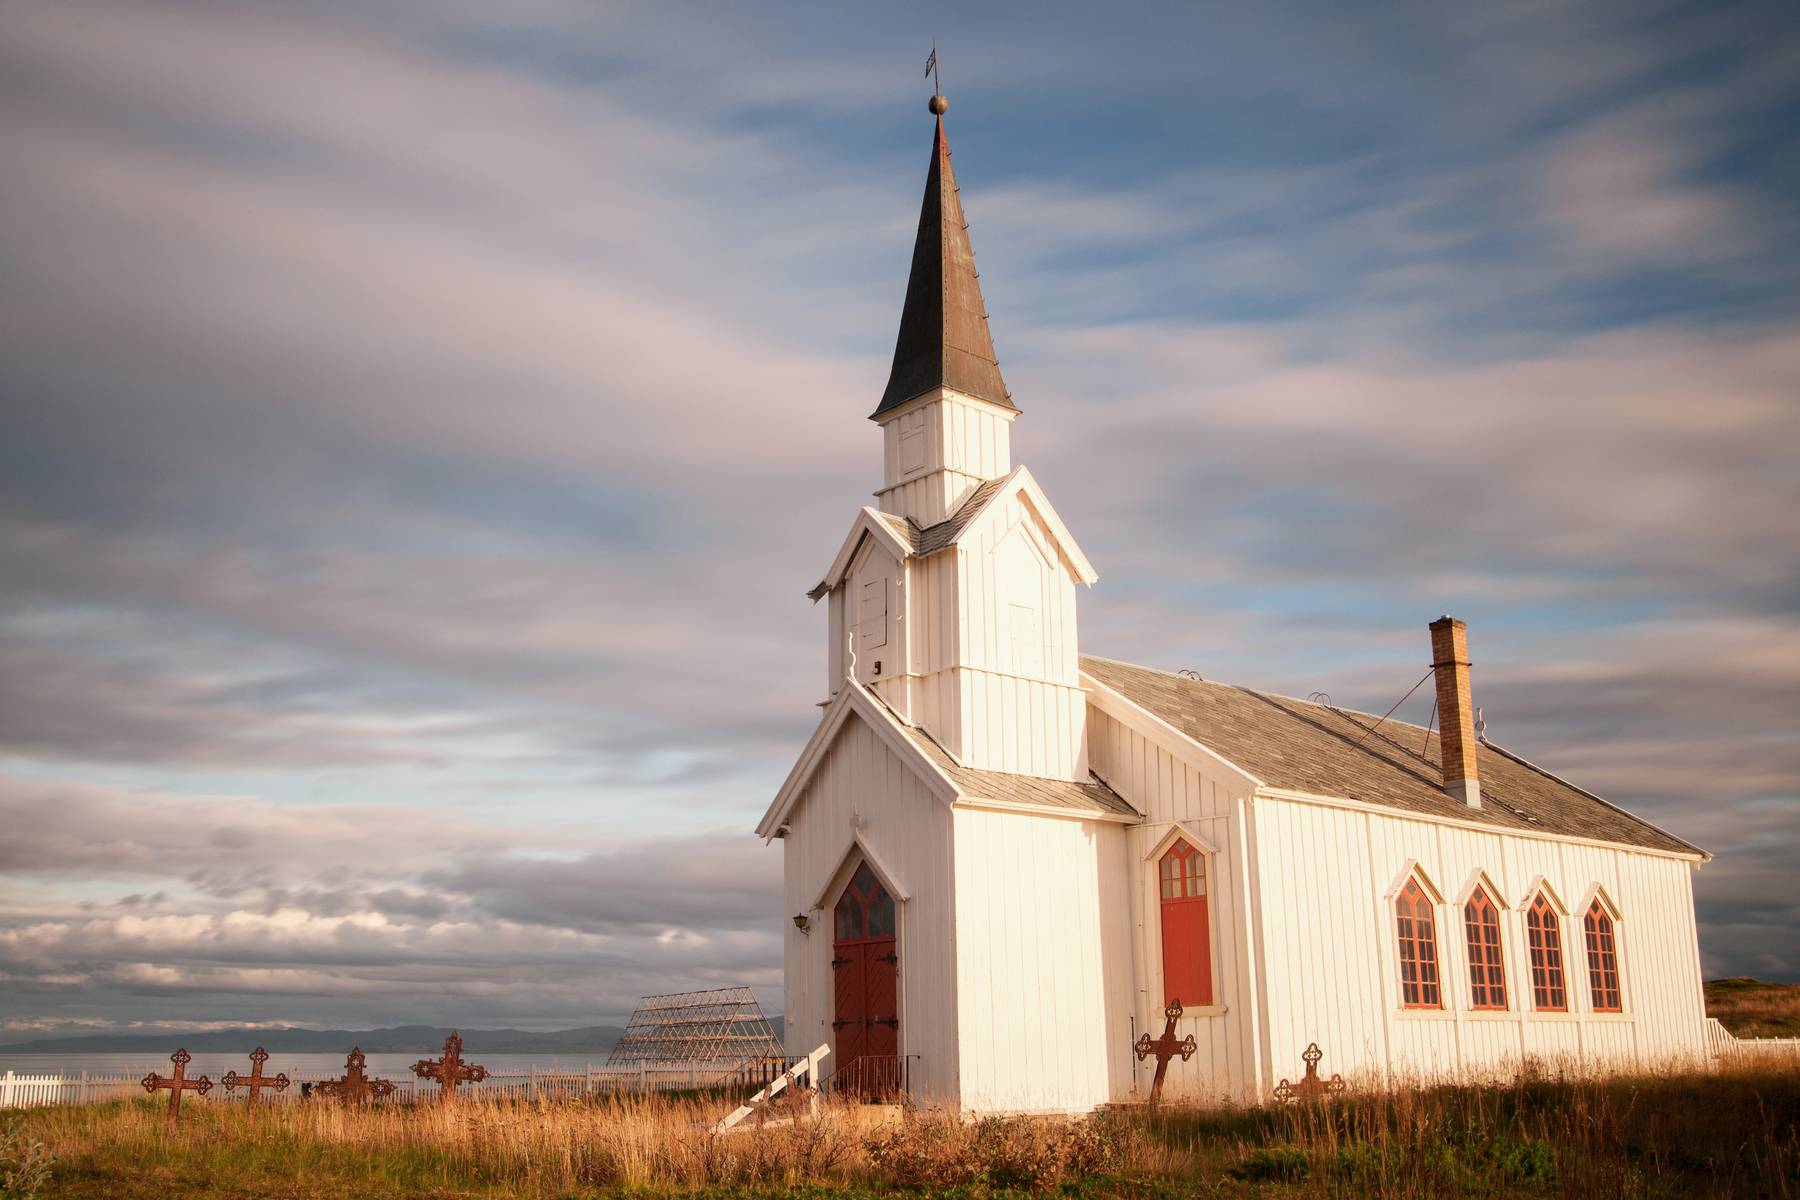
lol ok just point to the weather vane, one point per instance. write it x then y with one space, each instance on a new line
938 103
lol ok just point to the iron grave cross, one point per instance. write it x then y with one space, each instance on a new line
256 1081
176 1083
1311 1086
450 1070
355 1087
1165 1047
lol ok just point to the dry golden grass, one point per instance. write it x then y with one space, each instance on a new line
468 1148
1752 1008
1723 1134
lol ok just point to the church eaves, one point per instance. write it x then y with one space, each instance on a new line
944 339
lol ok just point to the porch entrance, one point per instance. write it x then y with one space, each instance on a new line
865 969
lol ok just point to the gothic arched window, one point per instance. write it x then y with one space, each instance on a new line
1544 932
1418 948
1603 959
1487 971
865 910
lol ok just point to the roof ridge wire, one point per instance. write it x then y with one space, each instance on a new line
1402 700
1383 738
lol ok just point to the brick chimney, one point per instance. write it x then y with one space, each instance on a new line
1456 714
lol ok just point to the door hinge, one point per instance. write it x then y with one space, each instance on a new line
838 962
841 1024
890 1021
893 958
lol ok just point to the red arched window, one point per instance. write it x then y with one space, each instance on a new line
1487 975
1544 932
865 910
1418 948
1603 959
1186 932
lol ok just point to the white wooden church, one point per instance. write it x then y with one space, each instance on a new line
1004 857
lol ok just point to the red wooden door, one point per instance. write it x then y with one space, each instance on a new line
852 1005
865 976
1186 930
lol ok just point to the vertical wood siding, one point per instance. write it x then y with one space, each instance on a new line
1026 717
962 676
909 830
1332 975
959 435
964 444
1166 789
1043 946
834 625
928 499
874 565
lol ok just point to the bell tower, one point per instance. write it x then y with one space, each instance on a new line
953 599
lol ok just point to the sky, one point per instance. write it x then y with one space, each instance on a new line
422 423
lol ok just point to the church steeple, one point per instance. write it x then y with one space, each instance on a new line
945 412
953 599
944 340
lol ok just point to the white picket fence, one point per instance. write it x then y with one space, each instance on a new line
18 1091
1722 1043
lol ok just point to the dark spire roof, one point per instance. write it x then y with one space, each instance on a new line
944 339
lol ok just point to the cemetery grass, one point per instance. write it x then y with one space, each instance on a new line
1732 1133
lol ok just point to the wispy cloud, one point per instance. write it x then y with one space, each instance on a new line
421 422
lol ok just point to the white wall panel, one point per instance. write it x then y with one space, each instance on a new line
1333 970
1043 972
1167 789
862 788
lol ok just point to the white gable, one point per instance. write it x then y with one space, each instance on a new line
869 525
1021 489
852 703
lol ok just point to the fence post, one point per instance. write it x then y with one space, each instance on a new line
84 1087
6 1091
587 1082
534 1094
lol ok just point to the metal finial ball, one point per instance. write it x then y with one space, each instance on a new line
938 104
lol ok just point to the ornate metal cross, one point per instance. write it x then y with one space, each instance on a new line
177 1083
355 1087
1310 1087
450 1070
256 1081
1165 1047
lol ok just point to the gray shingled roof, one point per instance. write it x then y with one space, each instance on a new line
1329 751
1092 797
936 537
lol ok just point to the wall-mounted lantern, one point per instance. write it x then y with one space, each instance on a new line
803 923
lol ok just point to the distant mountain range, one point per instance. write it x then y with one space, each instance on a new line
401 1039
